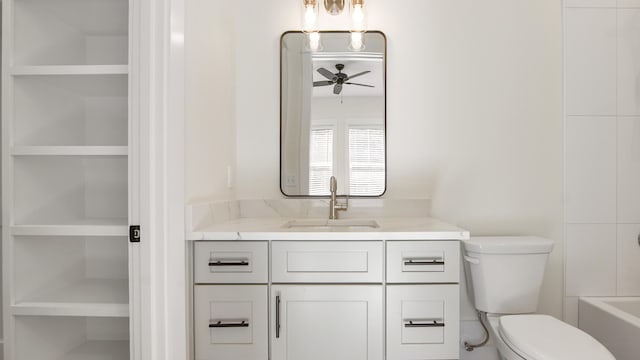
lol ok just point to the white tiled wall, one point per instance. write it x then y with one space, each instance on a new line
590 169
602 150
628 172
590 260
590 35
628 260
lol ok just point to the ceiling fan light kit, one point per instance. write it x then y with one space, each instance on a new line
334 7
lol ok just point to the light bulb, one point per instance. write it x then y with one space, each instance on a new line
314 40
356 41
309 16
357 17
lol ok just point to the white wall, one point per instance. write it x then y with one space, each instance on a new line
602 150
210 134
474 109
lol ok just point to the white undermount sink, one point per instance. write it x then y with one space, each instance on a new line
326 224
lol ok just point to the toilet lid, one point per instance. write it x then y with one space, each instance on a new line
542 337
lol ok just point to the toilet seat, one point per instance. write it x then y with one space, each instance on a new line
543 337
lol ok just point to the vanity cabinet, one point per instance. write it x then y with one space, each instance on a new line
326 299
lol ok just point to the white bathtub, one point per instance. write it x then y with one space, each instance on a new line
614 321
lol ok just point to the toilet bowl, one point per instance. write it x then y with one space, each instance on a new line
542 337
504 275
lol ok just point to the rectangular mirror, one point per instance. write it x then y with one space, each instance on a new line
332 114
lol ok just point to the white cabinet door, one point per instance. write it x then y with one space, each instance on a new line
320 322
423 321
230 322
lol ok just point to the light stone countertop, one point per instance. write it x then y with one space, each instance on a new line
275 228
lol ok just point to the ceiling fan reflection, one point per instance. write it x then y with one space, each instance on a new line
338 79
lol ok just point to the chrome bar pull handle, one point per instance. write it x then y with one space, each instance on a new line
277 316
424 323
424 261
229 262
221 324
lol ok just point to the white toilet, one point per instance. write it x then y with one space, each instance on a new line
504 275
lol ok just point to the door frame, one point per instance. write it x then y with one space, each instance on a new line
157 266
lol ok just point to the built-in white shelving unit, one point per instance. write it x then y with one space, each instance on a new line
65 120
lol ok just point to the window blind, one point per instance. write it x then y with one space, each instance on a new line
366 161
320 161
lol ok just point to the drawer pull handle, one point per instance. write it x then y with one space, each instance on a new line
422 323
220 324
277 316
421 262
231 262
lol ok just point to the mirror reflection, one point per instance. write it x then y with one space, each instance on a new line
332 115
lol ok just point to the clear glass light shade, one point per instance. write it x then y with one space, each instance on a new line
357 41
310 16
314 40
358 16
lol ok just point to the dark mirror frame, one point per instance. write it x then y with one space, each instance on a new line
384 80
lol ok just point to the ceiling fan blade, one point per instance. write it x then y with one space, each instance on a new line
337 89
358 74
326 73
350 83
322 83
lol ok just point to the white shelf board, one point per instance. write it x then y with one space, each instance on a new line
89 290
99 350
70 230
70 69
70 309
87 297
70 150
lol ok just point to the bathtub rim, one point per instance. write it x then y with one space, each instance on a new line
600 303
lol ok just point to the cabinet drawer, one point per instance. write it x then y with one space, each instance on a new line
423 261
423 321
230 322
230 262
327 261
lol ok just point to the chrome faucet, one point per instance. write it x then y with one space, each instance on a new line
334 207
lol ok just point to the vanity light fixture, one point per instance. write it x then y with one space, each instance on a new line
310 16
310 23
358 16
334 7
358 24
314 41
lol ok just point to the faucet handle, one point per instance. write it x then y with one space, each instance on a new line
333 184
344 206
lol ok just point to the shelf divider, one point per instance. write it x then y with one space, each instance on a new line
70 150
70 70
70 309
70 230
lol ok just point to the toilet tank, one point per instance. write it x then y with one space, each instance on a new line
504 273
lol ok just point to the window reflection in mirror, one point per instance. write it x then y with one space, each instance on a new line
332 115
